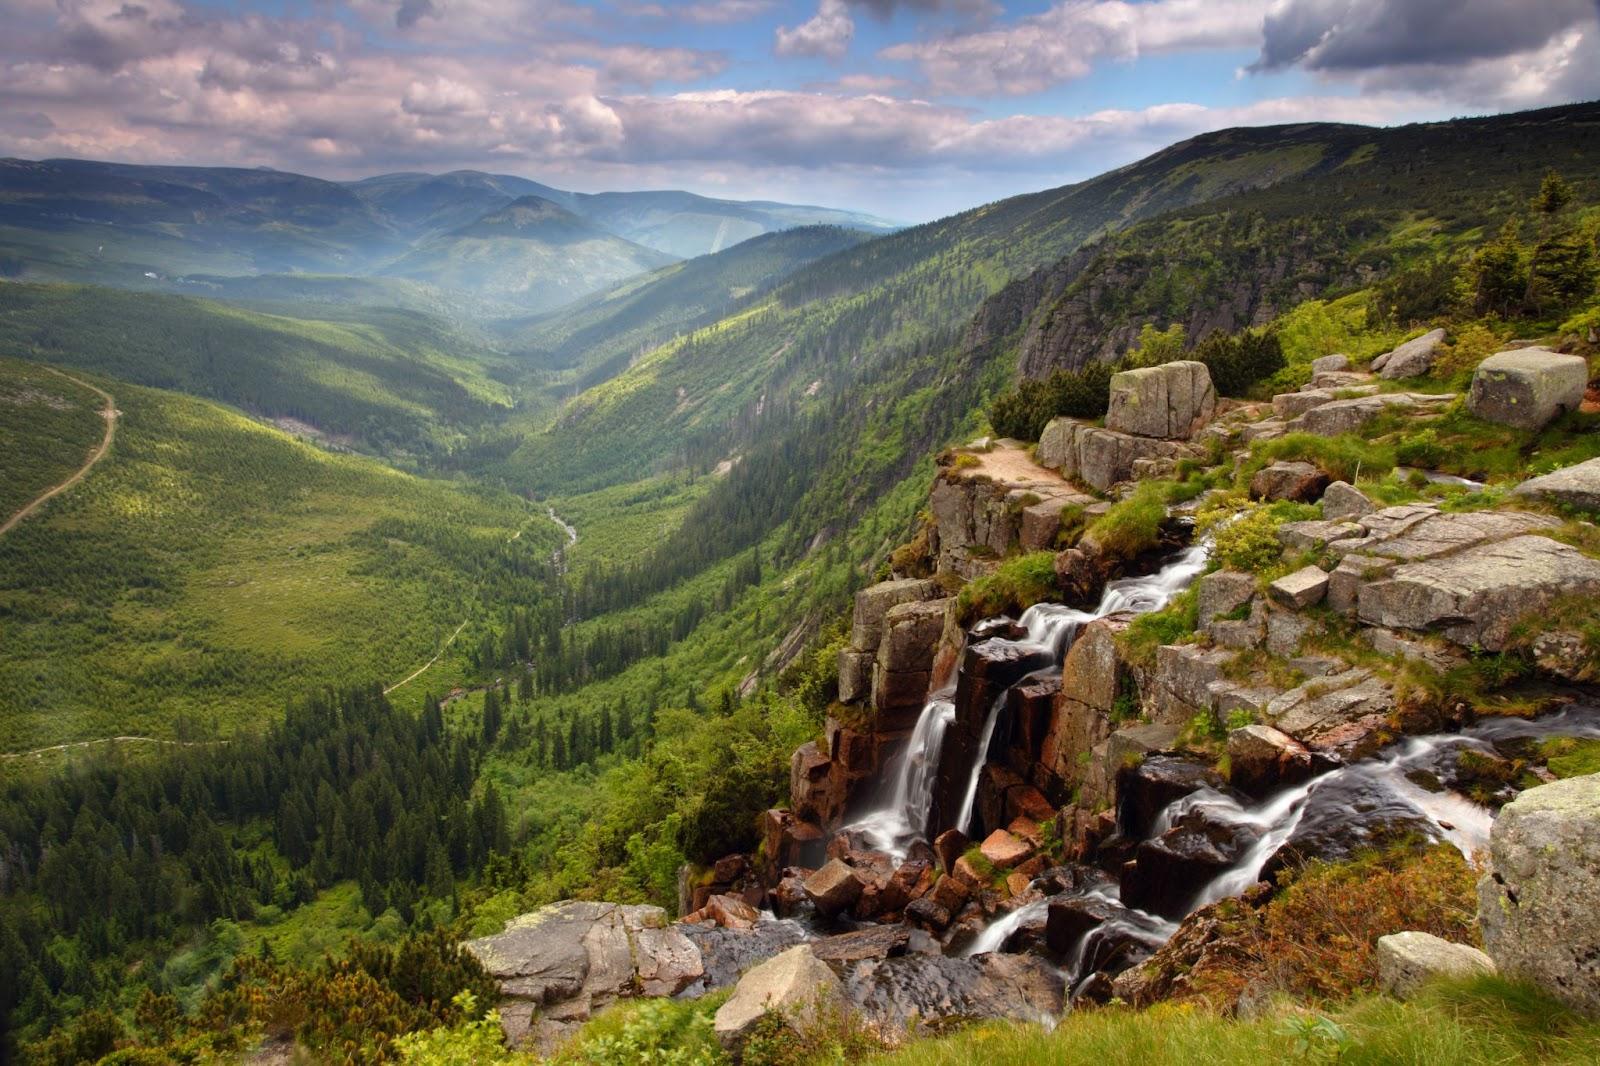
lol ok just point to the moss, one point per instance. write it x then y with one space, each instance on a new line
1571 757
1132 526
1018 584
1173 624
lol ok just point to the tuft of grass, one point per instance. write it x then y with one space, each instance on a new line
1571 757
1018 584
1173 624
1133 525
1342 458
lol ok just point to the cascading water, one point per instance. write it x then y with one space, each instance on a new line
905 816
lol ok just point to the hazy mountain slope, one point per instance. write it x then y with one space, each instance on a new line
241 567
595 338
687 225
531 251
391 380
425 205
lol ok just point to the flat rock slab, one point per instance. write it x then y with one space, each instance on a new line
1344 714
1409 960
900 996
1301 589
1477 596
1528 388
1577 487
1348 416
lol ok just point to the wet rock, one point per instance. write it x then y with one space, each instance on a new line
928 913
1215 939
1299 481
1145 790
873 942
727 953
834 888
1223 592
1068 920
1412 359
1341 500
1169 402
795 984
1168 872
950 846
1261 759
1577 487
1540 917
1029 707
1301 589
951 891
1347 815
789 840
1477 596
902 995
1407 961
1528 388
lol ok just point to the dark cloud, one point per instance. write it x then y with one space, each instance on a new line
1345 36
412 10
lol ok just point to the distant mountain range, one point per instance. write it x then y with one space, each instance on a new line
513 244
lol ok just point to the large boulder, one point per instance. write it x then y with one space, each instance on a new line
1528 388
1301 589
1341 500
834 888
1223 592
900 996
1577 487
1169 402
794 984
1409 960
1412 359
1261 758
1346 714
558 965
904 664
1349 415
1539 908
1288 481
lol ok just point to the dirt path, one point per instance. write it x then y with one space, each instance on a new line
418 672
107 740
109 413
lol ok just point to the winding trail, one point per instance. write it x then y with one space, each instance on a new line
108 740
109 413
418 672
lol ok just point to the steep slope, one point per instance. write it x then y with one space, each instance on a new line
595 338
532 251
393 380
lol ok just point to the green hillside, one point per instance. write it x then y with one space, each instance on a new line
48 424
389 380
210 568
595 338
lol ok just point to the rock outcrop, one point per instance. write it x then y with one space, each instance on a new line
1412 359
1173 401
1539 907
1528 388
794 984
1102 457
1576 487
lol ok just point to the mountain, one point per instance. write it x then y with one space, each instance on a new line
531 251
687 225
594 338
426 205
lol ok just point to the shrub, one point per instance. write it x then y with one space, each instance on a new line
1249 542
1170 625
1025 409
1237 363
1018 584
649 1032
1133 525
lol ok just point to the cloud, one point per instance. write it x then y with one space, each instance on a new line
1064 43
711 12
642 66
828 34
1364 35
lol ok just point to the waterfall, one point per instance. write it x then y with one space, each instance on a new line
906 814
993 937
964 819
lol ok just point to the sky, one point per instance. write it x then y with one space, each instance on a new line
910 109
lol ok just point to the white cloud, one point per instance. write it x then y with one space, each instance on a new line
828 34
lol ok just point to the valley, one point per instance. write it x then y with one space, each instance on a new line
1124 606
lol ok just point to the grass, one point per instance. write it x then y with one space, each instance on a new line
1571 757
210 567
1485 1021
47 427
1133 525
1018 584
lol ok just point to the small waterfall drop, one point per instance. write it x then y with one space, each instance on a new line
905 816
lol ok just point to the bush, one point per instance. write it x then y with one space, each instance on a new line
1133 525
1024 410
1418 292
1147 632
1249 542
1018 584
650 1032
1237 363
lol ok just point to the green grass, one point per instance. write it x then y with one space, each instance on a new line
210 567
620 524
1571 757
1132 525
48 425
1486 1021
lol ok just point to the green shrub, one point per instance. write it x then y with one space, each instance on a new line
649 1032
1238 362
1170 625
1249 542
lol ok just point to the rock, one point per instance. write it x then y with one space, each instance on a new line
1144 791
731 912
900 996
1266 429
1168 872
1168 402
1291 405
855 675
794 984
1301 589
1288 481
1539 909
872 942
814 793
1286 631
1056 443
834 888
1577 487
949 846
1412 359
1223 592
928 913
1350 415
1314 535
1261 758
1004 850
1346 714
1329 364
789 840
1528 388
727 953
874 603
574 957
1477 596
1180 688
903 668
1210 942
1105 457
1407 961
1342 500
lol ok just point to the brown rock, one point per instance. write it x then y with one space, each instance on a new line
949 846
834 888
1288 481
731 912
951 894
1004 850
